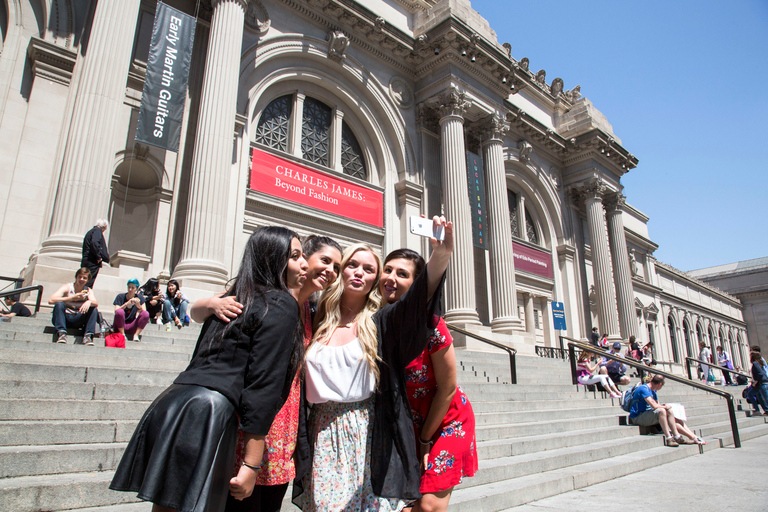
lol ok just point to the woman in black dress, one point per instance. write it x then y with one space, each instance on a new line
182 452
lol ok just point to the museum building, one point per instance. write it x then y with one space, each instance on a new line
343 118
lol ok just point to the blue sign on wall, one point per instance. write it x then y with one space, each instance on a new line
558 316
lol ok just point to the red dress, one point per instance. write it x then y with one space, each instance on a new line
454 454
277 466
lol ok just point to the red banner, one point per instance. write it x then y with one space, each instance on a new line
294 182
532 260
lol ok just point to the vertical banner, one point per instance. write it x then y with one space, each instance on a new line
476 183
165 86
558 316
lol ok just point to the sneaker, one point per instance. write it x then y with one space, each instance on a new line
62 337
88 340
138 338
670 441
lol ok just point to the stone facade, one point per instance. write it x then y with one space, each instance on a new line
387 95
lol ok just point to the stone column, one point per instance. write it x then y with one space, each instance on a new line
601 259
502 261
460 284
84 187
621 270
530 322
203 253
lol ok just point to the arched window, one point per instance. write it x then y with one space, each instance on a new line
319 139
272 129
315 125
688 342
673 338
513 224
352 161
530 228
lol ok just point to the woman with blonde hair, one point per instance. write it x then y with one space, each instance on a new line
364 457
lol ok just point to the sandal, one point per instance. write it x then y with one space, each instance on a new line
699 441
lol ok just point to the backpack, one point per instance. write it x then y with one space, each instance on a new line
115 340
627 398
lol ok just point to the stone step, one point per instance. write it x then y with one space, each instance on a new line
521 417
61 373
141 506
60 492
12 409
133 348
78 391
92 356
61 432
505 494
534 428
18 461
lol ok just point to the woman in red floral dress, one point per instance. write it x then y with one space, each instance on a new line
277 467
443 420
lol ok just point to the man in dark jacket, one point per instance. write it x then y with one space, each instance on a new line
95 250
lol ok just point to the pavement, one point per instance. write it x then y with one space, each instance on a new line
726 479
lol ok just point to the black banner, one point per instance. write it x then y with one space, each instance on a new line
477 207
165 86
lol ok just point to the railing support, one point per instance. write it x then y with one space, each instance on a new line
19 291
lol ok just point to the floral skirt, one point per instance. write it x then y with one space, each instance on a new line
341 460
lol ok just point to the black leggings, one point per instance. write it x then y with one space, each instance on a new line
265 498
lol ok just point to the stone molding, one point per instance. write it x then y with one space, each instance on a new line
337 45
401 92
450 103
256 17
615 202
494 128
51 61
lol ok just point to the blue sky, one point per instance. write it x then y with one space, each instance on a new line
685 85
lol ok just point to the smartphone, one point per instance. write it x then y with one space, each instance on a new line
423 227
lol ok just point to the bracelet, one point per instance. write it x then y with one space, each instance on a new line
252 468
426 442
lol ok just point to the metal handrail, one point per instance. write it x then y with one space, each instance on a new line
689 360
18 281
18 291
552 352
572 344
512 352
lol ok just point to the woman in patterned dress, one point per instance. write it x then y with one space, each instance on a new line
443 420
364 458
278 467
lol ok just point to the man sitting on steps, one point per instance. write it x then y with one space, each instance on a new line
646 411
74 305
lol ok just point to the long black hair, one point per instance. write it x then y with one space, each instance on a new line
150 288
410 255
263 269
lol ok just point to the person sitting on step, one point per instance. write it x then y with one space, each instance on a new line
175 306
154 299
590 374
16 308
75 305
646 411
131 316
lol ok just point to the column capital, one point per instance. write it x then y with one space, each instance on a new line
493 128
593 190
450 103
615 202
241 3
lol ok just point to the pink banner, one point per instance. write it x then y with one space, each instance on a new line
295 182
532 260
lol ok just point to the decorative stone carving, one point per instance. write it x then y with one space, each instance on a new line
574 94
140 151
541 78
494 128
401 92
426 117
557 87
596 187
524 63
257 17
337 45
422 41
633 264
524 149
379 24
615 201
508 47
452 102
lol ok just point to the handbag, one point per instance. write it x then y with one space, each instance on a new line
115 340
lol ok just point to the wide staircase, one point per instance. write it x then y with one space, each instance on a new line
67 412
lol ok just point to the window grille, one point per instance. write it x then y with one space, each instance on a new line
315 130
272 129
530 228
352 161
512 198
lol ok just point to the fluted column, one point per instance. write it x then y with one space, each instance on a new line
84 187
460 281
502 261
203 253
530 321
601 259
621 271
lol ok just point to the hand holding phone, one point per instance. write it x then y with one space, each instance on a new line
424 227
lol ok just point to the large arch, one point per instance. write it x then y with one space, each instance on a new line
688 336
291 61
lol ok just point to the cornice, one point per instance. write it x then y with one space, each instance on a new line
682 275
51 61
640 240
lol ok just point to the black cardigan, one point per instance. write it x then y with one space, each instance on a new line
403 329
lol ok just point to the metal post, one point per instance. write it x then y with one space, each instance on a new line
512 368
688 367
572 353
734 425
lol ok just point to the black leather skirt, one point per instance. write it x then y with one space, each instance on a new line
182 452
